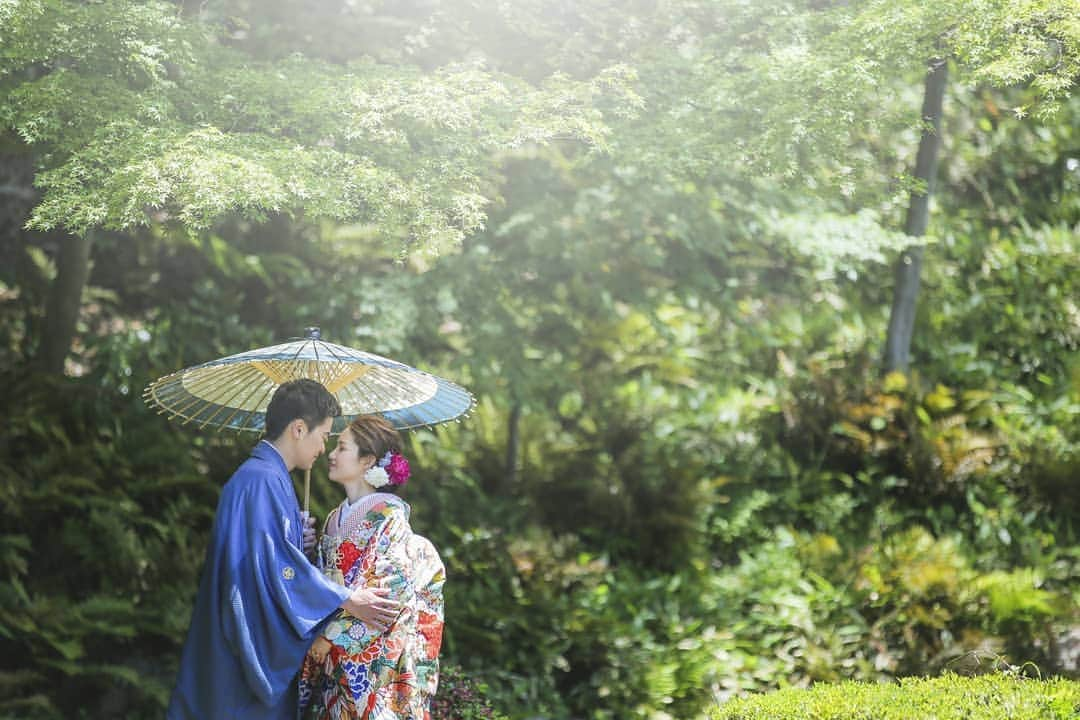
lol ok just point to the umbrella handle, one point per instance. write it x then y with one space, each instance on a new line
307 489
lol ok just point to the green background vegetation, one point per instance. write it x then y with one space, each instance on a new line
656 239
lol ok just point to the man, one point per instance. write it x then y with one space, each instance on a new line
261 602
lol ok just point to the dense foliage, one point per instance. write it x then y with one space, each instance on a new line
654 240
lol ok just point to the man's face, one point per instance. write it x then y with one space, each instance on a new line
312 443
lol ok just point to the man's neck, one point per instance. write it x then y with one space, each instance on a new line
284 452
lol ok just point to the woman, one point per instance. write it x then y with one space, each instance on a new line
353 671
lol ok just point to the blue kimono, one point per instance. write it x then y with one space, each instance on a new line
260 602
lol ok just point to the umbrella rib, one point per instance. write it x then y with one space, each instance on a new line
386 390
383 397
181 410
318 363
350 393
299 349
339 358
440 406
224 381
258 380
219 380
227 403
208 388
150 396
162 406
253 389
153 388
342 361
273 386
447 402
373 394
362 396
211 381
357 395
163 387
390 382
185 401
442 403
434 399
270 388
243 424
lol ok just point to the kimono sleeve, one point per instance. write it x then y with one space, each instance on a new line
276 600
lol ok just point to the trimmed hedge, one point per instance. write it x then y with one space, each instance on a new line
950 697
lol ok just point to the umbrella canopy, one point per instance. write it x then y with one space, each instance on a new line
232 393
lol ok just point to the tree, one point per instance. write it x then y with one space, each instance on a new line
909 265
850 56
140 116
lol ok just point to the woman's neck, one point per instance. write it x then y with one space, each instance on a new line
356 490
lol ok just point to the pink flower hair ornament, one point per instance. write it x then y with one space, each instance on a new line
397 467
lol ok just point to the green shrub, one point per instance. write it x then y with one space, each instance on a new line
950 697
460 698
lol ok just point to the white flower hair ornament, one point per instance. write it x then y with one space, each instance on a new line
391 469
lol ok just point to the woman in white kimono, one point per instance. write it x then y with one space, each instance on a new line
353 671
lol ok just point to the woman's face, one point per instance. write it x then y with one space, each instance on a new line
346 465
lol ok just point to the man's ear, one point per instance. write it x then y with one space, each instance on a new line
299 428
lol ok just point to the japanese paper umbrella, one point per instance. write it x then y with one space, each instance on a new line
232 393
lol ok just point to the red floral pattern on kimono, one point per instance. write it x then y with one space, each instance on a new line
365 674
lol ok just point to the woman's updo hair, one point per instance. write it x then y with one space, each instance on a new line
374 435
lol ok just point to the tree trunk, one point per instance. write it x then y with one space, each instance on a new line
65 300
909 265
17 197
33 287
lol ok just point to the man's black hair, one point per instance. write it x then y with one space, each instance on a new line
305 399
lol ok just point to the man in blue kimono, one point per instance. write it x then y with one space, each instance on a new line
261 602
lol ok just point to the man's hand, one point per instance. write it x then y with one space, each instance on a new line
320 648
372 606
309 533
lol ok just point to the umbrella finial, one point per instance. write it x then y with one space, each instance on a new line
313 333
